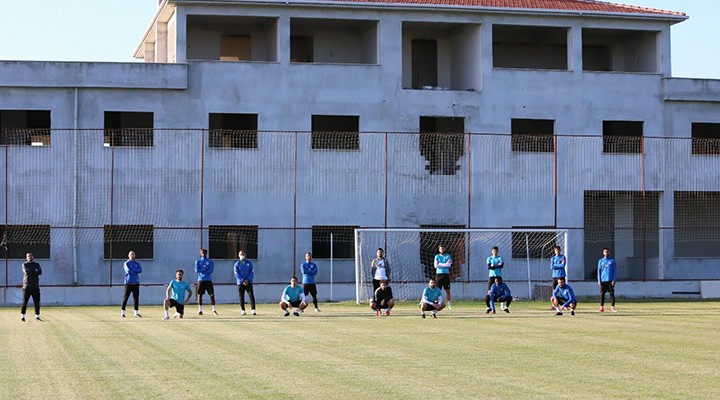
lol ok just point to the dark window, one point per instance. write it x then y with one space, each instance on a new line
697 224
532 47
343 241
125 238
18 240
533 135
235 48
537 244
25 127
424 63
233 131
442 143
301 49
127 128
454 243
336 132
705 138
227 240
622 136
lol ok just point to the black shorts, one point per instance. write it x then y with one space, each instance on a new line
429 307
382 302
309 288
443 281
179 307
561 300
205 286
607 287
295 303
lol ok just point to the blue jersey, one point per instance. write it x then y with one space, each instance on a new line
309 270
244 270
178 289
292 294
495 265
204 268
132 269
606 269
443 262
431 294
557 264
565 292
498 291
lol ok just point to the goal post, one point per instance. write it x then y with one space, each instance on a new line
410 254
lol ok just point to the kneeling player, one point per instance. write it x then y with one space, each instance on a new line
563 298
383 298
431 300
293 296
174 295
500 292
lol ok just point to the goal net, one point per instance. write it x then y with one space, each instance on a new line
410 255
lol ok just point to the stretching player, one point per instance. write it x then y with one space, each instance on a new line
383 298
499 292
174 295
293 296
606 279
495 264
204 268
563 298
443 262
431 299
309 269
132 284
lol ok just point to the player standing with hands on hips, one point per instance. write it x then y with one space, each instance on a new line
606 279
309 269
443 262
204 268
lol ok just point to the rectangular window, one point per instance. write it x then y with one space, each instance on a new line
530 47
235 48
18 240
423 53
121 239
25 127
442 143
697 224
128 128
705 138
226 241
336 132
536 244
343 241
234 131
622 137
533 135
301 49
454 243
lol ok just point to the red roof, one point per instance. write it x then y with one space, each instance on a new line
551 5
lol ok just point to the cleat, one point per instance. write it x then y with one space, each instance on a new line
434 315
22 319
253 312
572 312
297 314
387 313
287 313
487 310
200 313
243 312
176 315
138 316
317 310
166 317
122 314
613 309
215 312
507 310
37 318
558 313
602 309
449 306
493 311
377 313
422 315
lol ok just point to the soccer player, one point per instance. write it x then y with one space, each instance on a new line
244 274
499 291
431 299
309 269
293 296
380 269
557 265
204 267
383 298
495 264
606 279
31 285
132 284
174 295
443 262
563 297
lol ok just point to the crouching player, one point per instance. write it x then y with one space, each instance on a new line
499 292
431 300
293 296
383 298
174 295
563 297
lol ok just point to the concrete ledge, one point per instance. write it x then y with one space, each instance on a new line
710 289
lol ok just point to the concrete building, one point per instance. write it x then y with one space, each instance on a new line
268 125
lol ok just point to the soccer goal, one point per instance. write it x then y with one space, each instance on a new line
410 255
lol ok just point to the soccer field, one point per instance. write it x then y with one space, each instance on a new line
648 350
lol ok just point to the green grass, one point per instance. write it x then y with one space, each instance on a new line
648 350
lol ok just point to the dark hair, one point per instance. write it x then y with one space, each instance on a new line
498 278
180 271
294 277
606 248
203 250
431 280
557 247
383 281
380 249
496 248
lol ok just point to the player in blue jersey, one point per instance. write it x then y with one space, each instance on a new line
174 295
563 297
132 284
606 279
499 292
204 267
244 275
443 262
309 270
293 296
558 263
431 299
495 263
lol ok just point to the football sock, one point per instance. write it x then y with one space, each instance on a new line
213 308
200 308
